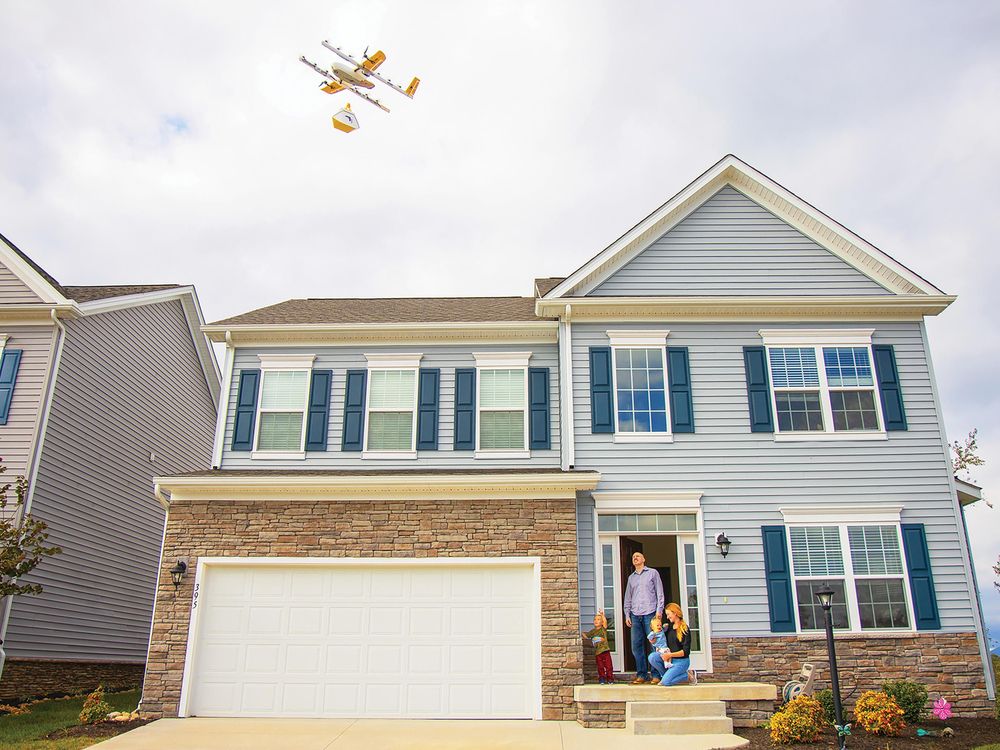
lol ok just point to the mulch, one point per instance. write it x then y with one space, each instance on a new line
969 733
101 730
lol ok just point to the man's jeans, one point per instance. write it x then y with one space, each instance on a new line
640 629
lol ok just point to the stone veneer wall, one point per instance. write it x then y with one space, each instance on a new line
24 679
416 528
949 664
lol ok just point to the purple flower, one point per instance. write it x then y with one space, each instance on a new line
942 709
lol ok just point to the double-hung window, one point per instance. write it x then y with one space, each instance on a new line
284 396
639 380
823 383
502 404
392 405
862 563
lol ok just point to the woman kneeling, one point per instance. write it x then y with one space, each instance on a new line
671 664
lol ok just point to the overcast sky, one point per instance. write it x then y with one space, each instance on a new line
183 142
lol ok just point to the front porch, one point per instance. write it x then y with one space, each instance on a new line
706 708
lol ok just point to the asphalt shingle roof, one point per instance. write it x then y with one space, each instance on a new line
91 293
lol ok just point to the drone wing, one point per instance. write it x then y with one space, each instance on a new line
333 85
368 68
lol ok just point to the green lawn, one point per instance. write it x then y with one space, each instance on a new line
24 732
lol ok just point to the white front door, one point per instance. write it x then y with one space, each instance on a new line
331 639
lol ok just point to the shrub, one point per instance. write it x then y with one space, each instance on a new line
8 710
879 713
825 698
799 720
911 697
95 708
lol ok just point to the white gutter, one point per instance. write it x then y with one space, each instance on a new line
223 410
566 419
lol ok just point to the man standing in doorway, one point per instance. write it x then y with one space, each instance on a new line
643 601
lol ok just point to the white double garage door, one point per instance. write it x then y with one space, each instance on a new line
311 637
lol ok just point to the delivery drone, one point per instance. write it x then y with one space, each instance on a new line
353 79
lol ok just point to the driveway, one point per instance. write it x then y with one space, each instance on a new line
399 734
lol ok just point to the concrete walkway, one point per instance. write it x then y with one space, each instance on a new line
399 734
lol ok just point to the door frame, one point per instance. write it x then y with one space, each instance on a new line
535 563
625 502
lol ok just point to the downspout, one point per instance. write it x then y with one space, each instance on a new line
36 453
970 574
223 413
566 390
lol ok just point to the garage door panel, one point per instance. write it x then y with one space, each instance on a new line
354 641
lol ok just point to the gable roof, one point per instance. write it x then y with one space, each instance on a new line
389 310
830 234
91 293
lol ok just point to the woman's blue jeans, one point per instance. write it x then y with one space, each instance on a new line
675 673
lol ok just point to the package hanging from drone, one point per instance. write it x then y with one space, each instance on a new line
345 120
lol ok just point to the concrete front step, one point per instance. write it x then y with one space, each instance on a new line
673 709
681 725
704 691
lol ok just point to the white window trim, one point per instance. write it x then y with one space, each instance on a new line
501 361
288 363
849 578
817 340
641 340
878 514
386 362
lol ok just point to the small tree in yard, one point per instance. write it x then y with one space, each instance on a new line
22 540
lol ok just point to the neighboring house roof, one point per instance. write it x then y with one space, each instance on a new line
91 293
389 310
968 493
545 285
730 170
34 266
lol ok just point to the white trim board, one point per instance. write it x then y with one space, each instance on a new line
841 514
730 170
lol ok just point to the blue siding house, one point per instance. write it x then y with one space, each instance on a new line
474 474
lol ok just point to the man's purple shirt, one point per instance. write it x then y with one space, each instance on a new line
643 593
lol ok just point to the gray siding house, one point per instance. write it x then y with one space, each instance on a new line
415 505
102 387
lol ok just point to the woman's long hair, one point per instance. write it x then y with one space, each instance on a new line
680 627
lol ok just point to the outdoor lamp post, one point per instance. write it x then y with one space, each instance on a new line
825 596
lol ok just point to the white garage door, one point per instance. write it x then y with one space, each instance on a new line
365 640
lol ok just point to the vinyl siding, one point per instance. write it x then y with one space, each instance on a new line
129 385
746 477
18 435
586 561
445 357
13 291
730 245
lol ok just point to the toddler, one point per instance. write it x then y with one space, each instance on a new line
602 651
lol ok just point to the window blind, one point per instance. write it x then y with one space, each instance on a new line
284 389
847 367
794 367
392 389
816 551
875 550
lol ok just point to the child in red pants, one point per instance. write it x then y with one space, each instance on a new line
602 652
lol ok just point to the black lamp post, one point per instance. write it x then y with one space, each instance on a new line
825 596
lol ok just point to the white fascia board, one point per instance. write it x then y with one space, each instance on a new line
735 172
30 277
350 334
556 485
816 336
841 514
188 297
786 309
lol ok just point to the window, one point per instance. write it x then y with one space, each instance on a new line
284 396
868 582
391 404
826 387
639 375
502 398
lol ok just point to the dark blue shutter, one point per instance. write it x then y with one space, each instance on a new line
8 377
246 410
888 387
318 418
758 388
427 409
602 405
465 409
918 562
780 605
353 438
679 378
538 408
